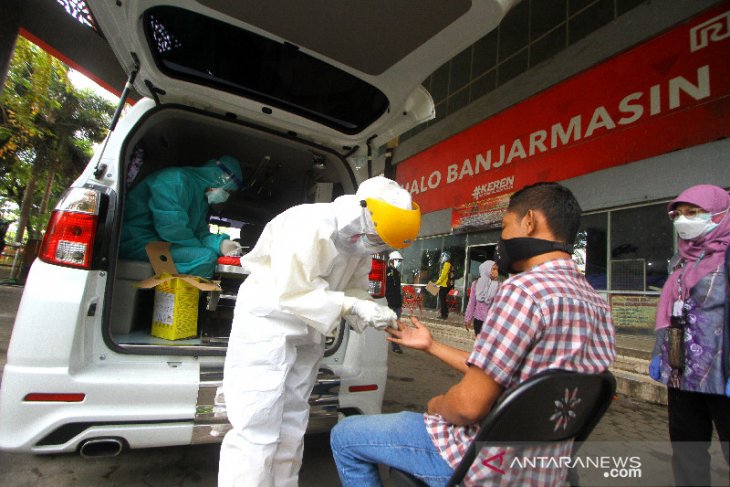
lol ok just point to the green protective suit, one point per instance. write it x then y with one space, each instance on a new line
170 205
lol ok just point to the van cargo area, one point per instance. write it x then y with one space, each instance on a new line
279 171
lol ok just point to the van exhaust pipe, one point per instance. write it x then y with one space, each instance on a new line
101 448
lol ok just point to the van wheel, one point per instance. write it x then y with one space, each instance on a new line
333 339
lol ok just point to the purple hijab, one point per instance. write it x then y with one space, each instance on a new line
714 244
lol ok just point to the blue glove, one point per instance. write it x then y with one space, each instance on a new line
727 388
655 369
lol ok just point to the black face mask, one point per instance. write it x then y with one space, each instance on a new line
515 249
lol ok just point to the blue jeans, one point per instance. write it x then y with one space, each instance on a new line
360 443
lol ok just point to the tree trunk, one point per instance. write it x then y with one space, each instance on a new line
47 194
25 208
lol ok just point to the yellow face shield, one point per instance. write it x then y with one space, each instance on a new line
397 227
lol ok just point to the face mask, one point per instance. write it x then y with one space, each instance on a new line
397 264
216 196
443 259
373 243
515 249
364 244
691 228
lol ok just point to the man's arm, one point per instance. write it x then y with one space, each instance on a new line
419 338
468 401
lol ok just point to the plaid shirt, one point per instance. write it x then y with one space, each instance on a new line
546 318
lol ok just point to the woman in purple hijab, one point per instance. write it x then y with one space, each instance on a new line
692 351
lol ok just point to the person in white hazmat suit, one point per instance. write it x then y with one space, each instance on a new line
308 270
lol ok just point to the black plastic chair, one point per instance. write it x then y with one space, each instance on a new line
523 414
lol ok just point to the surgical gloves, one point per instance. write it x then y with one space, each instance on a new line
230 248
368 313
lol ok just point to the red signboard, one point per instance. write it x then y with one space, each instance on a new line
669 93
483 213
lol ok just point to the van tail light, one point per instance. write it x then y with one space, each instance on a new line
377 278
71 231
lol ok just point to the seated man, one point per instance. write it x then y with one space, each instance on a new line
172 205
546 316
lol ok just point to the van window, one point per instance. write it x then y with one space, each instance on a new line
199 49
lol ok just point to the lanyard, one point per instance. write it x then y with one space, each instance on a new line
681 274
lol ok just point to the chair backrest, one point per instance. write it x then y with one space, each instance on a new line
409 290
552 406
453 293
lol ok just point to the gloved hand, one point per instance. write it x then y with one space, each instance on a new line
372 314
655 368
230 248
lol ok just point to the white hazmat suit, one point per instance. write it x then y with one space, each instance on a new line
308 270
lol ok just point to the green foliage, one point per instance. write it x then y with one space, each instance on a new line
47 131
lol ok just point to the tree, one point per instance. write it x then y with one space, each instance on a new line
47 132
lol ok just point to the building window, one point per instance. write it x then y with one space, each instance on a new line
641 246
591 249
625 255
531 33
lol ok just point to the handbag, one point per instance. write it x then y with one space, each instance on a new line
432 288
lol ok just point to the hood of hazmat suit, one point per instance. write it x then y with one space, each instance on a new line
390 212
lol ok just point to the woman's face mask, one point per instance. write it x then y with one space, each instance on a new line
691 228
397 264
216 196
692 222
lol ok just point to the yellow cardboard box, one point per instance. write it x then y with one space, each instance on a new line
175 312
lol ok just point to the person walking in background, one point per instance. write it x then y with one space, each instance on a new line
482 292
692 350
392 289
445 283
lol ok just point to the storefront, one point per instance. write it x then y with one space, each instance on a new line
626 135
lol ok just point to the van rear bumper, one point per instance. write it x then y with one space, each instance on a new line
68 425
211 419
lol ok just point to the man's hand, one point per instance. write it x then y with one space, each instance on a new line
416 336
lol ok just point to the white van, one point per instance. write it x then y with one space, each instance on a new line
301 93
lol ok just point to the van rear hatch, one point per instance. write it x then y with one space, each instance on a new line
338 73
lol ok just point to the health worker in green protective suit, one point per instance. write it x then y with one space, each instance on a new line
172 205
